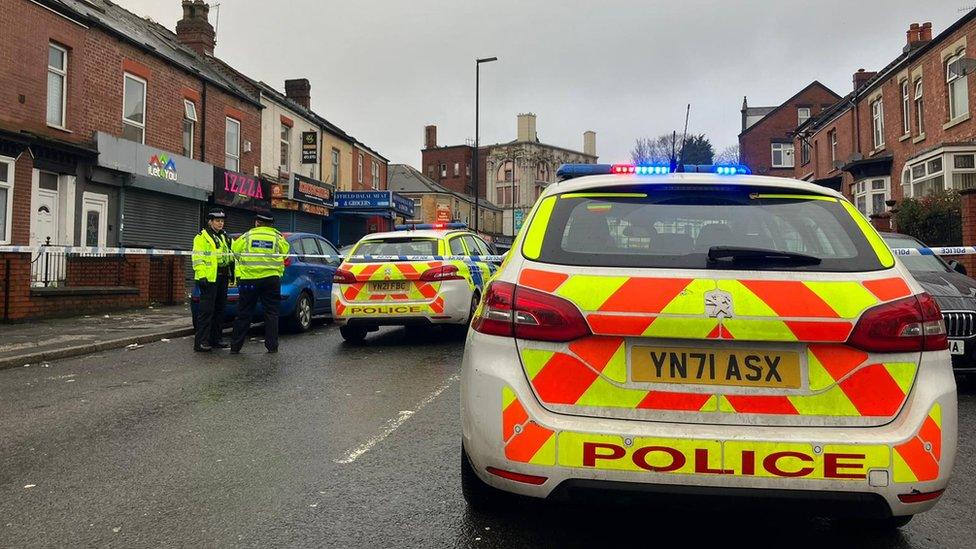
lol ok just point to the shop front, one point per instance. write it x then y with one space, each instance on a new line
161 195
303 205
241 196
359 213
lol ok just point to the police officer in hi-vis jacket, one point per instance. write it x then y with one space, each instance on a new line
260 262
212 263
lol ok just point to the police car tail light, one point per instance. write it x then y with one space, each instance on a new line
439 274
343 276
495 314
907 325
511 310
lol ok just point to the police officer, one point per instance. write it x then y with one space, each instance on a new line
212 263
260 262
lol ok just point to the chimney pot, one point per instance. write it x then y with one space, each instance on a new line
925 33
195 30
299 90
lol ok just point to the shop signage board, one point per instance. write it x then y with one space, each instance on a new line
374 200
238 190
310 148
311 191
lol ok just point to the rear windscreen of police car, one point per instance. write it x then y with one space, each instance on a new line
396 246
675 227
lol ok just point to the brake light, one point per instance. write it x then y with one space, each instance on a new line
343 276
288 261
516 311
439 274
907 325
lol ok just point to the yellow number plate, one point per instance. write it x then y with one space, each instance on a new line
777 369
388 287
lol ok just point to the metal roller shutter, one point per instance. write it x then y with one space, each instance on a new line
307 223
162 221
238 221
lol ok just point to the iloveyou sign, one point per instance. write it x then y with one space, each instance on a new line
239 190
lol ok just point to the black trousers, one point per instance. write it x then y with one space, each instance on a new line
268 290
210 311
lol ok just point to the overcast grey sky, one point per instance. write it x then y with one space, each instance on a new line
382 69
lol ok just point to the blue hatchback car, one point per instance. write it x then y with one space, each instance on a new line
306 286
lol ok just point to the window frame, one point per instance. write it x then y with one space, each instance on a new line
920 106
375 175
360 178
284 153
336 158
782 148
145 90
877 123
189 119
906 115
8 185
864 188
950 82
227 155
63 73
833 147
800 119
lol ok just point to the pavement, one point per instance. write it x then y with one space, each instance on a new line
326 445
38 341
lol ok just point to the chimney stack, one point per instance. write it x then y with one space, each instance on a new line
195 30
861 77
299 90
589 143
913 34
430 137
926 32
526 128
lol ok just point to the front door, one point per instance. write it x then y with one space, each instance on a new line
95 220
48 268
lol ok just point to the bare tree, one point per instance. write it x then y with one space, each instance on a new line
652 150
729 155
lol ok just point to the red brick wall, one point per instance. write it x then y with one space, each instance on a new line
368 159
754 142
150 286
95 271
900 147
20 218
449 155
27 30
96 63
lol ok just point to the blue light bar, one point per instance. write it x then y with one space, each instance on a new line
430 226
569 171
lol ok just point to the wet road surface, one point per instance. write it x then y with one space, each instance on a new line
323 444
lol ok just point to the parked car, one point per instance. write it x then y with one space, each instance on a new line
305 287
955 293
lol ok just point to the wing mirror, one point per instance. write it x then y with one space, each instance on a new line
958 267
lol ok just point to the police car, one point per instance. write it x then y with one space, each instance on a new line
706 334
417 276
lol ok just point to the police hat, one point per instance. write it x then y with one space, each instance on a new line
264 217
216 213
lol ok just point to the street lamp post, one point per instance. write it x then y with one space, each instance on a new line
474 168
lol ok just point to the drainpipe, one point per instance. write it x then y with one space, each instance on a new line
203 124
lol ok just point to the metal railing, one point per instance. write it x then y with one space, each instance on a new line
58 266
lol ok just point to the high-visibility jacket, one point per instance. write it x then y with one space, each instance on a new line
209 254
269 249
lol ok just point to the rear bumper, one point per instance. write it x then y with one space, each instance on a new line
834 469
740 500
451 305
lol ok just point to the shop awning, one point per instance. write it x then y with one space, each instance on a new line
365 213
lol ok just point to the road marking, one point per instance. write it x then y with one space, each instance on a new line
394 423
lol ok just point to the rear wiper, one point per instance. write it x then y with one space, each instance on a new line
739 254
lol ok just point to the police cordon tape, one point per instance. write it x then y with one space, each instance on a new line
945 250
95 250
